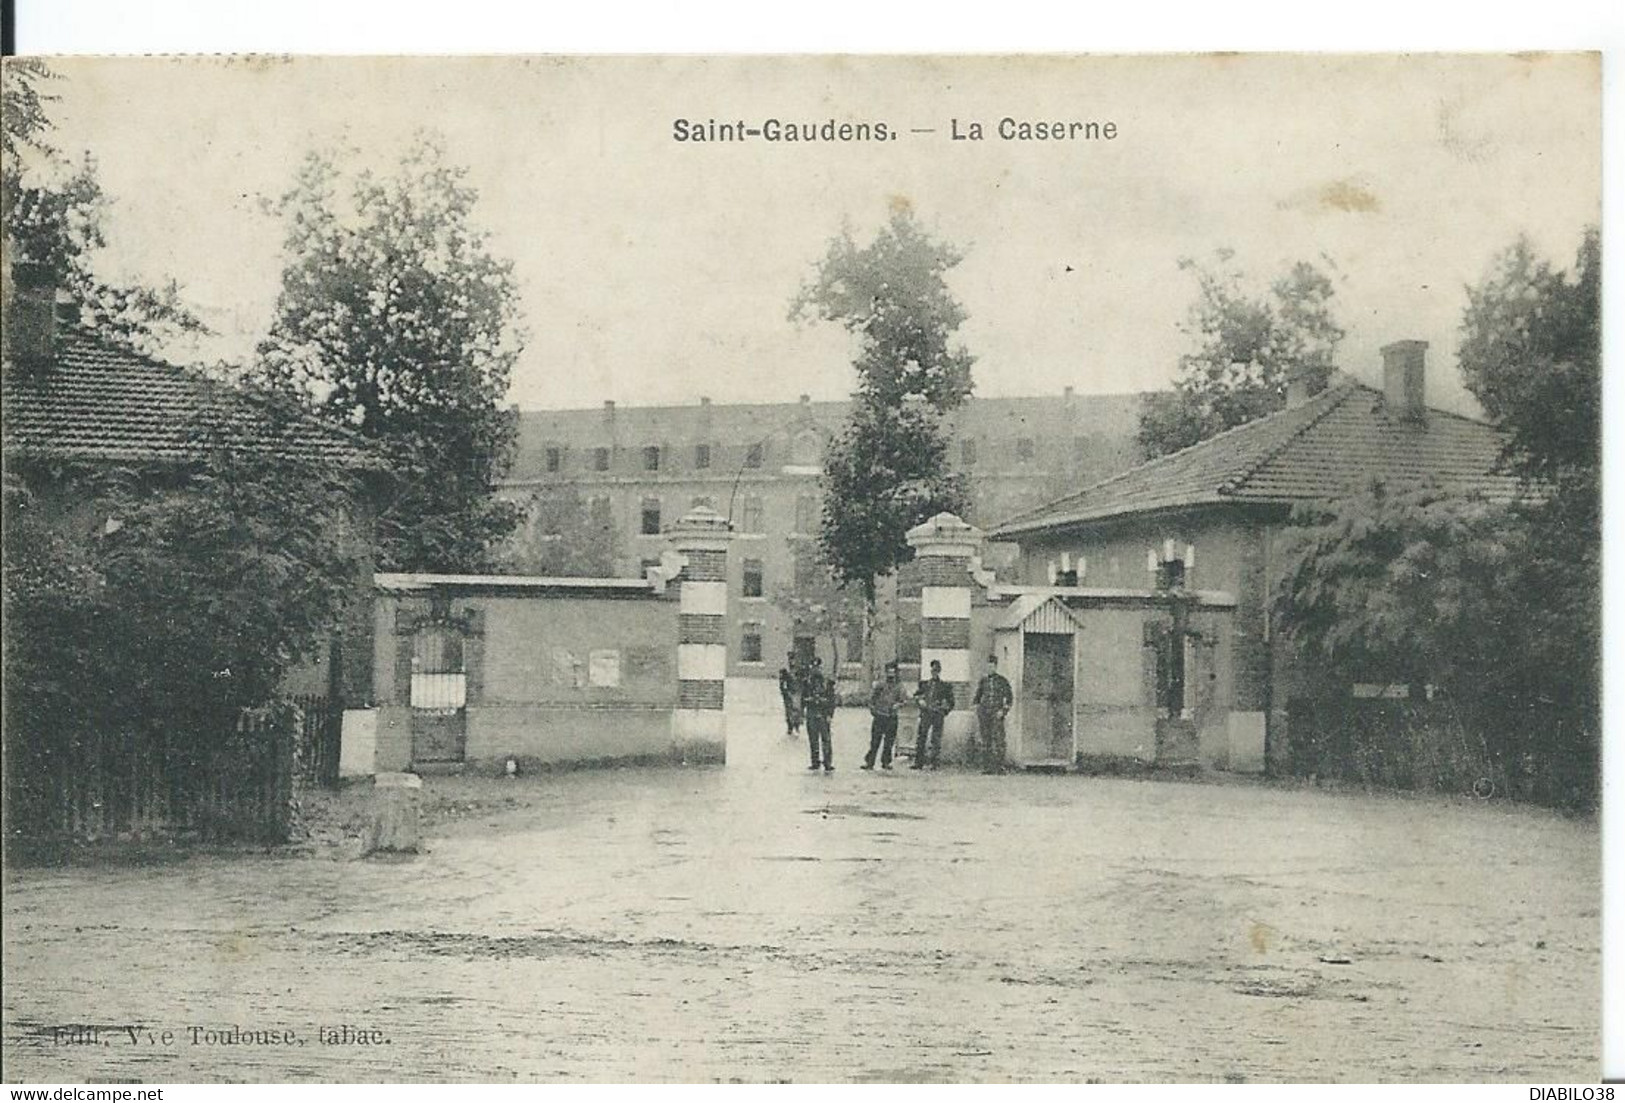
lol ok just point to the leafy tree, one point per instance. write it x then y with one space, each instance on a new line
1531 352
1422 586
55 214
396 320
188 597
1246 347
887 470
560 537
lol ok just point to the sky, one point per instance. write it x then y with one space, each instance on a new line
653 271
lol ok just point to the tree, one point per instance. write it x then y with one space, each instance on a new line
1422 586
55 214
561 537
887 470
395 320
1531 353
1248 346
195 591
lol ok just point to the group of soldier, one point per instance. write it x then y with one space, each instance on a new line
809 699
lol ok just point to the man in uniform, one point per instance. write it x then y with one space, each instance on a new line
993 700
884 700
936 700
788 691
818 701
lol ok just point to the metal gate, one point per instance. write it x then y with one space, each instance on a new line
439 694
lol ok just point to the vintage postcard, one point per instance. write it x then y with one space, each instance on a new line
802 569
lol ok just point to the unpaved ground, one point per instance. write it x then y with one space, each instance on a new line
758 922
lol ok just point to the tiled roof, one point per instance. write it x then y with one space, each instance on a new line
1324 448
97 401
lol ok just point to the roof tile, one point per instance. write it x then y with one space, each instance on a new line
98 401
1321 449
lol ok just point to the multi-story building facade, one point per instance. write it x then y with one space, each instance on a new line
627 472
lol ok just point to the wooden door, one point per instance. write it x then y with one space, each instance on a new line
1046 697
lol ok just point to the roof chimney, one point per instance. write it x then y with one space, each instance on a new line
609 409
1067 394
31 327
705 400
805 399
1297 386
1404 379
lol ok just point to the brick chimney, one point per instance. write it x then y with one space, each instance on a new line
1297 386
32 317
609 409
1404 379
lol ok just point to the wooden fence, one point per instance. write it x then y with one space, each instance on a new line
239 785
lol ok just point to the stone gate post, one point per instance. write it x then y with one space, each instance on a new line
947 550
701 538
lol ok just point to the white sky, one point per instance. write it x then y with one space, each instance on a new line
653 271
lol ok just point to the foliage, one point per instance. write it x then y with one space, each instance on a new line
146 618
1247 347
1531 352
192 595
1422 587
887 470
395 319
560 537
55 214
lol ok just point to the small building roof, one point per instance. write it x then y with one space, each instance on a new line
96 400
487 585
1038 612
1322 449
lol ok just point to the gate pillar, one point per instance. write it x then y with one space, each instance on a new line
701 538
947 549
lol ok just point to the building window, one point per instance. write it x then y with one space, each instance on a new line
651 457
702 456
754 454
750 643
805 449
806 569
753 578
751 514
1025 449
647 565
704 500
600 459
601 512
650 525
967 452
555 459
806 513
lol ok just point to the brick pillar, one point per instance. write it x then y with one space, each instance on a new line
701 539
946 549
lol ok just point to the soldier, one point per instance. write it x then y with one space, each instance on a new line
936 700
788 691
884 700
993 700
818 701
